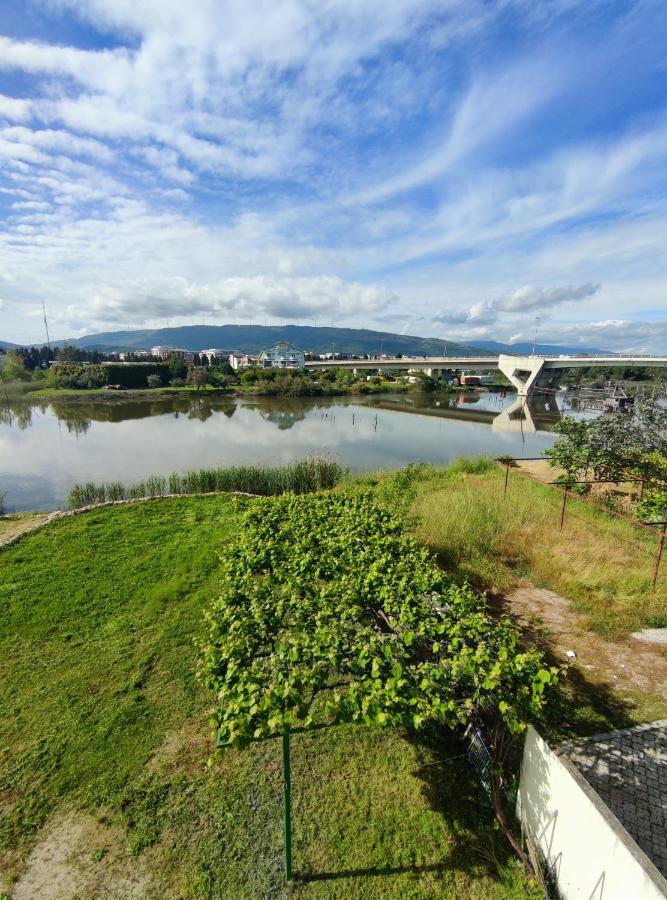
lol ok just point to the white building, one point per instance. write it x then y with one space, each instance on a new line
169 352
212 355
282 356
241 361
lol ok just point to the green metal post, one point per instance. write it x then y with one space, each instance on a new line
288 807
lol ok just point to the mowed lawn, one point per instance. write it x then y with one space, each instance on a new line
102 722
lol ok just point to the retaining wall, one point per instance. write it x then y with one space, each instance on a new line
586 849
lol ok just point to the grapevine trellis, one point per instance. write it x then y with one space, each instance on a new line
329 613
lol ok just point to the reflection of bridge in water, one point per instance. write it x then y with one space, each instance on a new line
526 416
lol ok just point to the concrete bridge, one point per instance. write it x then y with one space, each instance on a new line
528 374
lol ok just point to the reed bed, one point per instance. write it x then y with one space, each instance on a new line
301 477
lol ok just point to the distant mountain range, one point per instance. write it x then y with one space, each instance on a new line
546 349
254 338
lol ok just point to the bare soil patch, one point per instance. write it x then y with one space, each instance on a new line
630 664
78 856
12 526
184 750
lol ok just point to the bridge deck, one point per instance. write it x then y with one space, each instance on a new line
488 362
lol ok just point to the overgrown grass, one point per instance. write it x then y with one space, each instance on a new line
101 712
601 563
302 477
15 390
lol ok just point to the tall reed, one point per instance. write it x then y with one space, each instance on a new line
301 477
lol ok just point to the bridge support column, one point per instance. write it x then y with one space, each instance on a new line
523 371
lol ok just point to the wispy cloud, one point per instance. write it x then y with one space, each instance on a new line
461 164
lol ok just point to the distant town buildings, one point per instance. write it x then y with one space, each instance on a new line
173 353
282 356
212 355
241 361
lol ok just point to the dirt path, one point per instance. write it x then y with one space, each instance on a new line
12 526
79 856
631 665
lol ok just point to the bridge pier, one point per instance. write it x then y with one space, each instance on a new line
528 374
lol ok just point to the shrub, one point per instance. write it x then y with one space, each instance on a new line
154 381
653 507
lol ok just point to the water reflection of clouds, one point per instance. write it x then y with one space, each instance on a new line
39 464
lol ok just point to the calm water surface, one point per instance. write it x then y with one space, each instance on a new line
45 449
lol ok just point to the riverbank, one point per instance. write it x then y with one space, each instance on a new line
29 392
87 394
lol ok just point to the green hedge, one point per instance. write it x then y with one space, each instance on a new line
135 375
130 375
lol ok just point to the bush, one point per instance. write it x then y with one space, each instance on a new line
154 381
653 507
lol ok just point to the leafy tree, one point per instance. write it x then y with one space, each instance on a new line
15 369
614 447
197 377
177 368
329 613
154 381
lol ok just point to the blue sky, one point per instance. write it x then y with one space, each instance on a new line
454 168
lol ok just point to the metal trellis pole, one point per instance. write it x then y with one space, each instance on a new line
288 806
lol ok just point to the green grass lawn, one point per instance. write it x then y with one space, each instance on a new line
101 713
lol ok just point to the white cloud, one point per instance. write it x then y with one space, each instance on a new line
282 156
530 297
14 109
249 297
524 299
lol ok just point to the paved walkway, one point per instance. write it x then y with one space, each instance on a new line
628 769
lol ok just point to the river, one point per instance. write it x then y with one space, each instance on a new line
47 447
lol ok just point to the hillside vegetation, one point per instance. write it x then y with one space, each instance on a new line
254 338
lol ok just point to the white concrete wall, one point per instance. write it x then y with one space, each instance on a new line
587 849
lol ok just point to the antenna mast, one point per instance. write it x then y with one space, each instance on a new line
46 326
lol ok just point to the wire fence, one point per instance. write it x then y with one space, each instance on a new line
658 528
